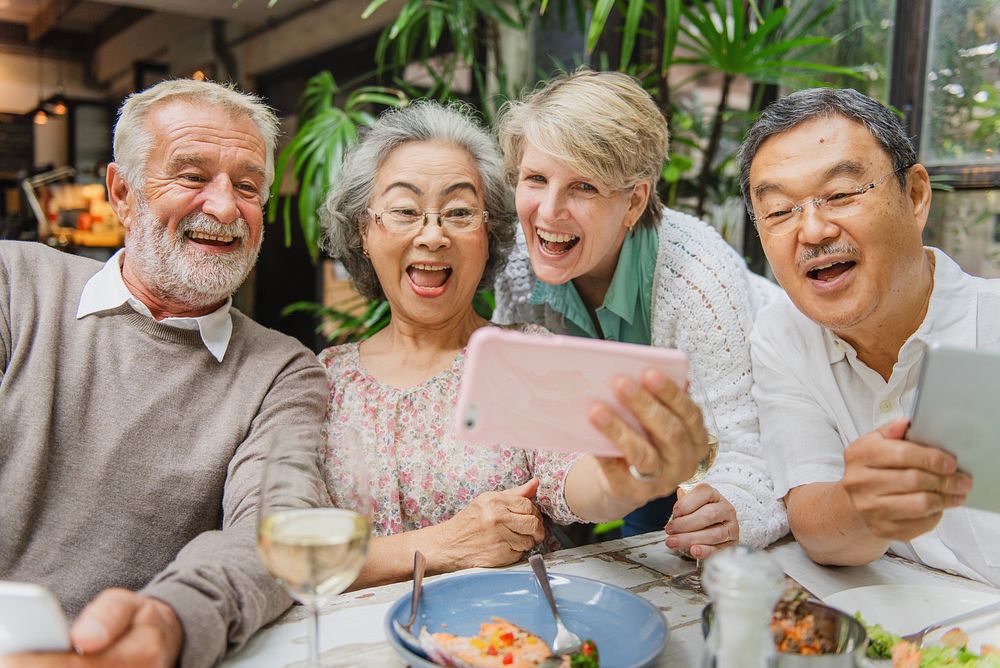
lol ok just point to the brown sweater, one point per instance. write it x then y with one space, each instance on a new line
130 457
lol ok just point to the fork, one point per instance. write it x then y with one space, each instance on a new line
566 642
405 631
917 637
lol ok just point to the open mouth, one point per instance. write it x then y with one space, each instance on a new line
428 276
831 271
210 239
556 244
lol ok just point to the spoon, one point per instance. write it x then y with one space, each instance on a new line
405 631
566 642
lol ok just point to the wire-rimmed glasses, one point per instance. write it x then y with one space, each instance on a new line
779 217
410 219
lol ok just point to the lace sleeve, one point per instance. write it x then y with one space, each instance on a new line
703 306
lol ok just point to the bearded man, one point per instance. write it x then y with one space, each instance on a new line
137 405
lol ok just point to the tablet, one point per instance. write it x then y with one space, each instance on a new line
533 391
958 409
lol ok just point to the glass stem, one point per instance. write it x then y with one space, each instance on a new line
313 634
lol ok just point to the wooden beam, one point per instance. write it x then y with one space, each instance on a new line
118 22
48 16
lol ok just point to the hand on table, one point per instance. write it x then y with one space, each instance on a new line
495 529
899 488
703 522
672 442
117 628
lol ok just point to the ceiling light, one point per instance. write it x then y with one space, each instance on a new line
41 118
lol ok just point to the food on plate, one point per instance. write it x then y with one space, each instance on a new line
952 652
794 627
880 640
501 644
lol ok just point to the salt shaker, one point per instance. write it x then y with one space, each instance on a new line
744 585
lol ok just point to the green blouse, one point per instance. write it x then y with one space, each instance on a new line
625 313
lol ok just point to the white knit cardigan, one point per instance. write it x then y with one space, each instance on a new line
705 302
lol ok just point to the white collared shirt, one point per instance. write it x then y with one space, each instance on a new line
107 290
816 397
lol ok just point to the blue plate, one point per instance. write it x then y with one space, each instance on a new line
629 631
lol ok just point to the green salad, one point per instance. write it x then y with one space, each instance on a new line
883 644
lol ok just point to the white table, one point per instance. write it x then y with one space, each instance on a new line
351 625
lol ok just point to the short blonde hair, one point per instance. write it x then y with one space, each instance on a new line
602 125
133 141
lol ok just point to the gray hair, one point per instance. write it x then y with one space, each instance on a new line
133 141
346 206
805 105
603 125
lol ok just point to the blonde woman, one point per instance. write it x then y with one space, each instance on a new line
423 217
598 255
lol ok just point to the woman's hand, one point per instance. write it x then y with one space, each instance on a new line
664 454
495 529
703 522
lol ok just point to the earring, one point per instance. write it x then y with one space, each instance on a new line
364 251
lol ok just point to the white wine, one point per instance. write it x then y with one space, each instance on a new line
704 465
314 552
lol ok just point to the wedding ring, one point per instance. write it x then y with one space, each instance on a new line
643 477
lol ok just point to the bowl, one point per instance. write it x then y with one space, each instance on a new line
846 633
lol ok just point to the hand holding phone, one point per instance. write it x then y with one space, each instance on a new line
533 391
31 620
956 410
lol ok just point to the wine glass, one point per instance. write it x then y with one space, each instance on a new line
696 388
312 548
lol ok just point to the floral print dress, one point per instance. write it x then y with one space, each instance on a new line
422 476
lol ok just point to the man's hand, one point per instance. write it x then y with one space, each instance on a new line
899 488
703 522
118 628
672 441
495 529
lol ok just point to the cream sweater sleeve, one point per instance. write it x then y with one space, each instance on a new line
704 304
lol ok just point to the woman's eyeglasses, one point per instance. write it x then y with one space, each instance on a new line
408 220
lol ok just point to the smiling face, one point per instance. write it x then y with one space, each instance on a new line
193 233
574 226
428 276
846 273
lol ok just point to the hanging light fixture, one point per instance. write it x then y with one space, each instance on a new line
57 103
40 117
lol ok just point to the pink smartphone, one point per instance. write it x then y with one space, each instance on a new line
533 391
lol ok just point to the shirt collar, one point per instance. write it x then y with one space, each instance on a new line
633 274
106 290
951 313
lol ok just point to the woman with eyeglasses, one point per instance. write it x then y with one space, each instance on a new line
423 216
600 256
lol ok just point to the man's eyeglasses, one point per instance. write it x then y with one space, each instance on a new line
408 220
780 218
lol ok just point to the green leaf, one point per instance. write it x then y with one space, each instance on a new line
671 26
597 22
435 24
633 16
372 6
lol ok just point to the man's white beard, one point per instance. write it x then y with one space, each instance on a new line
174 267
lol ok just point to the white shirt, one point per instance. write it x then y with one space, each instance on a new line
106 290
816 397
